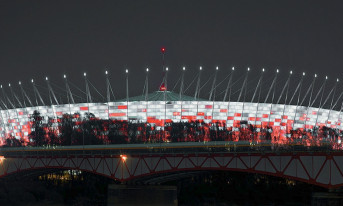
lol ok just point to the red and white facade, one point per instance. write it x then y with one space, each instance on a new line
282 118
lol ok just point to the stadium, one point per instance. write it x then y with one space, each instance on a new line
270 114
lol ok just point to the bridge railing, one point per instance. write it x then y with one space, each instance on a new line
177 148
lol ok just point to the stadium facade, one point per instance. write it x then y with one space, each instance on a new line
161 107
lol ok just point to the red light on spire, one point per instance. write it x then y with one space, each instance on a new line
163 50
163 87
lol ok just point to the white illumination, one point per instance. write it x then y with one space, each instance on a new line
19 82
183 68
248 69
106 72
64 76
315 75
200 68
303 73
1 86
326 77
84 74
233 68
147 69
291 72
32 80
277 70
126 71
123 157
337 80
217 68
262 69
9 84
167 69
46 78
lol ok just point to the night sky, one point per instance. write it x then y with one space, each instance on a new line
50 38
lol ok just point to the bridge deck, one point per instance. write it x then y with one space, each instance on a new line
180 147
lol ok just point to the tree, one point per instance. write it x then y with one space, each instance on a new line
66 128
13 142
52 133
37 136
115 133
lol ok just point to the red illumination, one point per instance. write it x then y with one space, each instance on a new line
117 114
163 88
122 106
163 50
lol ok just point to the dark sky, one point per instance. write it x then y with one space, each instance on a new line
50 38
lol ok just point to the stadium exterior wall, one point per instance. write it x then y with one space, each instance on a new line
281 118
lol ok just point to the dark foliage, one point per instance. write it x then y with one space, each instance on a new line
71 129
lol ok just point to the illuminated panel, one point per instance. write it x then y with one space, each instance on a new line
16 122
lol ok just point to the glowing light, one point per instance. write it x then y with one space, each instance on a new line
163 87
200 68
46 78
84 74
106 72
32 80
9 84
217 68
126 71
167 69
64 76
2 158
337 80
263 70
315 75
19 82
147 69
1 86
277 71
183 68
123 158
248 69
303 73
291 72
233 68
163 50
326 77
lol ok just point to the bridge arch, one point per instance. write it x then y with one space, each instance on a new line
320 169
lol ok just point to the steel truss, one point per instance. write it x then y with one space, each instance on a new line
321 169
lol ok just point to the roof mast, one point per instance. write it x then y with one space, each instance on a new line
163 86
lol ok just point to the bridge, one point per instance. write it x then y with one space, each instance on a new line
317 166
242 129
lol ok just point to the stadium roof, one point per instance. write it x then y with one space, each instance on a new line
159 96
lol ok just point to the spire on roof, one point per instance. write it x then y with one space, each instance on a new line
163 87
